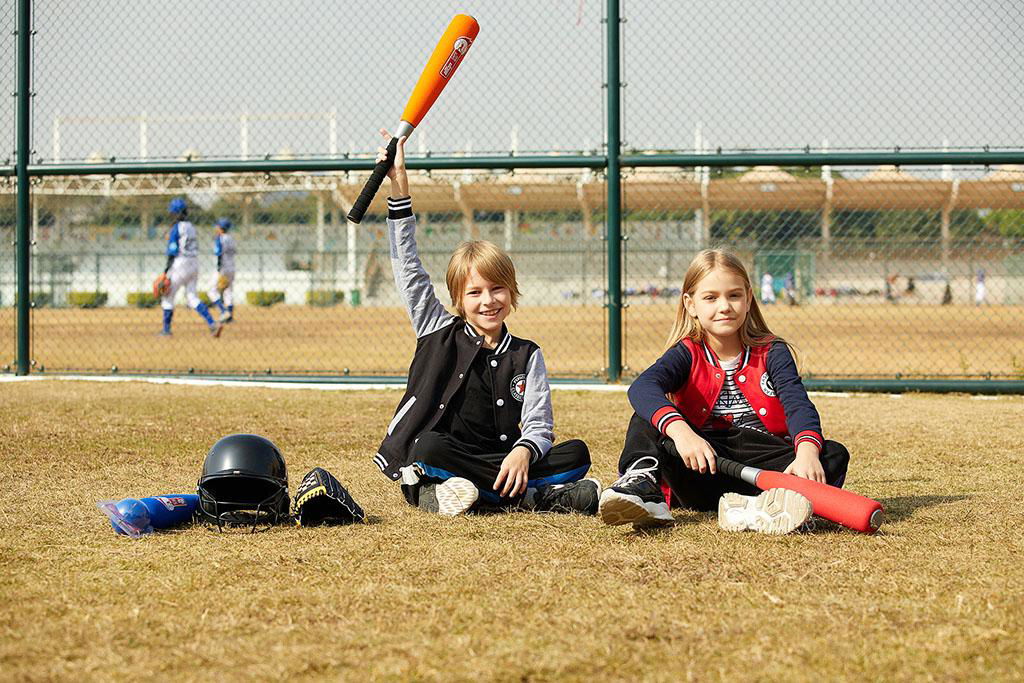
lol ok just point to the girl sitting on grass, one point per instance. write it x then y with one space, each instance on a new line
725 386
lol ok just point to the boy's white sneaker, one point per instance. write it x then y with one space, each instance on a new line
451 497
775 511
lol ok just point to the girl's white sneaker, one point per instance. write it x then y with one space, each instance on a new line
775 511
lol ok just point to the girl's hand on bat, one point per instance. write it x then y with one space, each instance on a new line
807 464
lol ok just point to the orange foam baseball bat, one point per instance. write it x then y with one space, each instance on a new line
444 60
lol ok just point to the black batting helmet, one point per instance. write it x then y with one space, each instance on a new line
244 483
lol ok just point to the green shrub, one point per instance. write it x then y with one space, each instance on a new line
264 297
324 297
40 299
142 299
87 299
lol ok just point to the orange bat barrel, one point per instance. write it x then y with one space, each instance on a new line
449 53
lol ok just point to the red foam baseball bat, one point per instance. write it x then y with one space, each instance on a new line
839 505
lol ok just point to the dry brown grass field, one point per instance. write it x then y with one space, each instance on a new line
831 341
935 595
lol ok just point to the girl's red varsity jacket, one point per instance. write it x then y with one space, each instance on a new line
686 381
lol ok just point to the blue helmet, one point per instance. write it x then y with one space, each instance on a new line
223 223
177 205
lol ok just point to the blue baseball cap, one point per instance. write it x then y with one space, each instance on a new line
177 205
223 224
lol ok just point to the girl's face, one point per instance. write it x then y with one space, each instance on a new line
720 302
486 303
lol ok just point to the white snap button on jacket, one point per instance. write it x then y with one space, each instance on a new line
501 401
441 407
503 437
718 375
743 378
461 375
762 411
494 363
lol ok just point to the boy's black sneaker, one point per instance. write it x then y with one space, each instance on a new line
635 498
578 496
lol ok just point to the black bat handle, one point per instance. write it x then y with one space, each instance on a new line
729 467
380 171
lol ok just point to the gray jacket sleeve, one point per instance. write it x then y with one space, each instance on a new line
427 313
537 419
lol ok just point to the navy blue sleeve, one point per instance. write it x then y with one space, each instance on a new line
647 392
802 419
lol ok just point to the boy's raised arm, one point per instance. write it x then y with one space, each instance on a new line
427 313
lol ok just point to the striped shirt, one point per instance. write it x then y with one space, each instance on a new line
732 405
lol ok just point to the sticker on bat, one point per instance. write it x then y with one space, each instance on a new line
172 502
459 51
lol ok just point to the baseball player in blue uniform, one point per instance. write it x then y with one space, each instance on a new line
183 267
222 294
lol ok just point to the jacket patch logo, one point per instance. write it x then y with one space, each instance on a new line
518 387
766 385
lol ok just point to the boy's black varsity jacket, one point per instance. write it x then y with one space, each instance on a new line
445 348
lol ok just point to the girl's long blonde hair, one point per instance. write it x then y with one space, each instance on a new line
755 330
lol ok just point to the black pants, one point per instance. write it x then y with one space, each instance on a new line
443 457
698 491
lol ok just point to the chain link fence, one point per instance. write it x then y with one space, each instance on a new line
872 272
795 74
149 80
314 293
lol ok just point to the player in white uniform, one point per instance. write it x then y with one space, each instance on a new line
222 294
183 267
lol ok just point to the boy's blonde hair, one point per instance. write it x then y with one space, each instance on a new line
490 261
755 330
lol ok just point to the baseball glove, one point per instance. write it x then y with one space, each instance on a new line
161 284
321 499
222 282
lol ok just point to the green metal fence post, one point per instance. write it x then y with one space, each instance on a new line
23 201
614 215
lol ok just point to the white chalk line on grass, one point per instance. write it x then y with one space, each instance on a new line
377 386
242 383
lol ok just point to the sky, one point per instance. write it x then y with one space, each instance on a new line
760 75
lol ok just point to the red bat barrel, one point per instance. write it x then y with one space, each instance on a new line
839 505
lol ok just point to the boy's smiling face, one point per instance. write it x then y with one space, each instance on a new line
486 304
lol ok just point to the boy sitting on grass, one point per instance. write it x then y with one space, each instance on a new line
475 423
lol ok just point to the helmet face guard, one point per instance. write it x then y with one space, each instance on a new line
235 500
244 484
